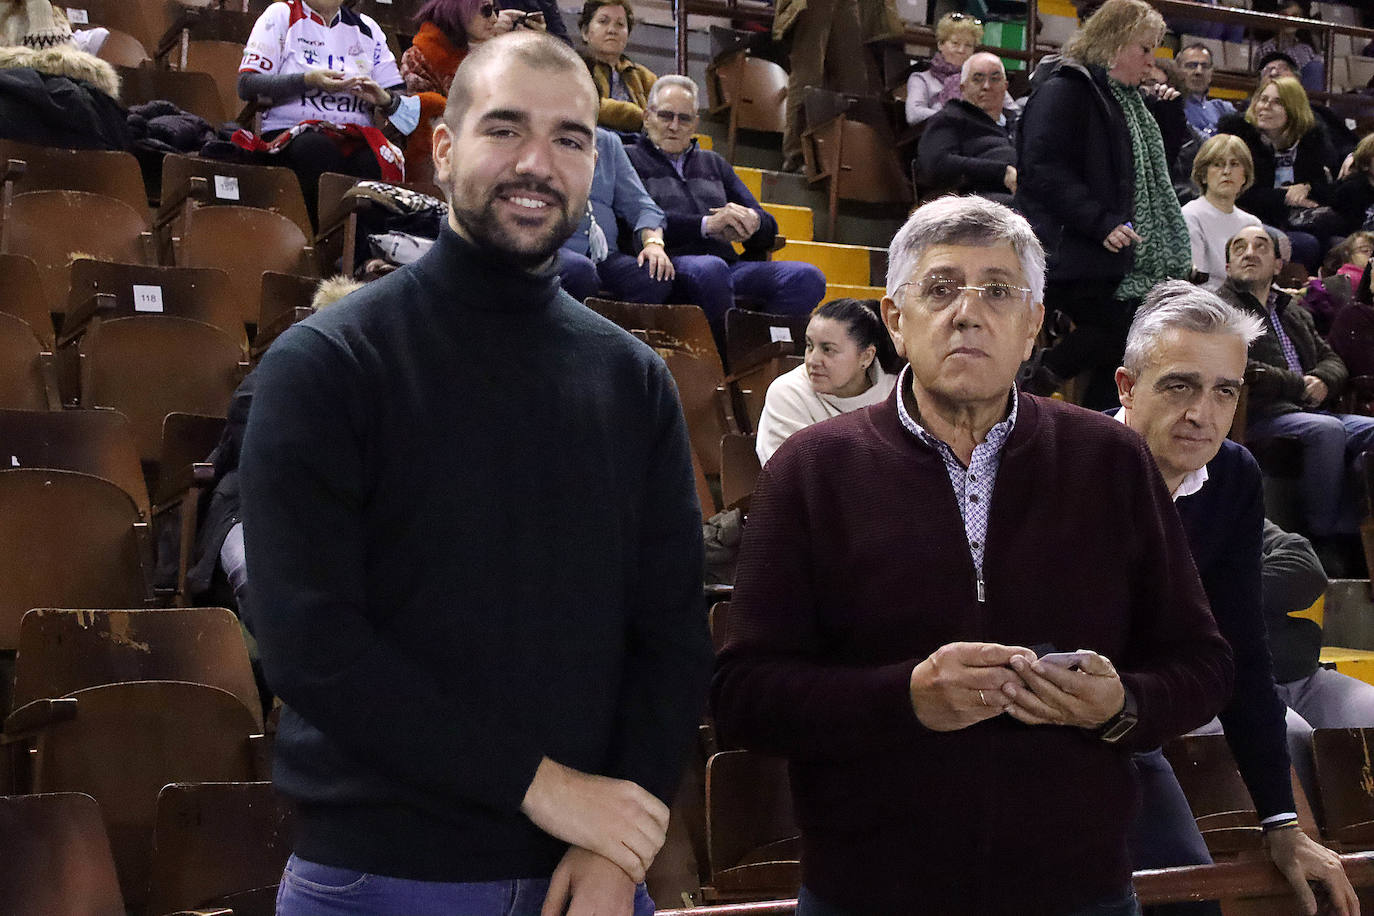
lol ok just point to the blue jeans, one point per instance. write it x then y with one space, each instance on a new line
1331 445
620 276
782 287
808 904
310 889
1165 833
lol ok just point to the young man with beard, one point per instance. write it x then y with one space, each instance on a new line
470 513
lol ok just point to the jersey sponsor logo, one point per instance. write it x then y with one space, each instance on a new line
255 61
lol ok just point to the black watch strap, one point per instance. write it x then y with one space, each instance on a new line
1121 724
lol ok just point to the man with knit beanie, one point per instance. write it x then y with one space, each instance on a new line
470 514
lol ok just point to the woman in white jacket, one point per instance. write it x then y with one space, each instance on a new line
846 345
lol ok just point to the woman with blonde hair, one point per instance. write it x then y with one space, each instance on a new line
1222 170
957 36
1094 182
1294 161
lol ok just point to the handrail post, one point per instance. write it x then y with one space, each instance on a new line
680 28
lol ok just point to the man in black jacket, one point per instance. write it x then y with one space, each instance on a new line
476 549
1294 380
967 145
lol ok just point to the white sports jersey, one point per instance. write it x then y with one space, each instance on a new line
289 37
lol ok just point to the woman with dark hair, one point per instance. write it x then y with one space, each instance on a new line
622 84
1293 165
850 363
1094 182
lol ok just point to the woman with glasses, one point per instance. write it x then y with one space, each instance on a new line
1222 170
1094 181
1294 161
622 84
849 361
957 36
328 83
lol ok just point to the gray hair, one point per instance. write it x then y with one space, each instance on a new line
672 81
968 65
954 220
1179 305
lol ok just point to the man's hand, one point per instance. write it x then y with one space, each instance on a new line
656 260
1301 859
328 80
586 884
370 91
732 223
612 817
1052 695
961 684
1009 178
1120 237
1316 389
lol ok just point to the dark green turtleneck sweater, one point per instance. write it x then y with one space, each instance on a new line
473 541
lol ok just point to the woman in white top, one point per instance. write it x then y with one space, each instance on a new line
846 345
1223 170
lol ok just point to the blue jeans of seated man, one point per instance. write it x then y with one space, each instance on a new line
1331 446
310 889
782 287
620 275
808 904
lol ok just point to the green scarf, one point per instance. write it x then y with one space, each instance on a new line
1165 252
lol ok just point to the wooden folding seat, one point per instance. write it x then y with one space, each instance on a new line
739 469
244 242
128 16
149 366
28 373
266 187
337 238
56 859
219 844
1344 779
121 743
751 833
1221 804
853 152
717 621
753 92
682 336
758 348
103 290
95 442
110 173
189 91
184 475
220 59
63 651
66 540
123 50
22 295
285 300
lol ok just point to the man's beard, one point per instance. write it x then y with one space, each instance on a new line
486 229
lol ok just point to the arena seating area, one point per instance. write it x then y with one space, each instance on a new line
134 297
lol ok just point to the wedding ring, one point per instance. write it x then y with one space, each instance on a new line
982 699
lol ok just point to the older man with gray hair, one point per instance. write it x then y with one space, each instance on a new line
709 209
1184 370
895 629
967 145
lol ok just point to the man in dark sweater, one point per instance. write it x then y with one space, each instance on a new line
708 210
1294 380
887 591
966 146
470 515
1179 387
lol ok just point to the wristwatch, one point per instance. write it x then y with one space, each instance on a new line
1121 724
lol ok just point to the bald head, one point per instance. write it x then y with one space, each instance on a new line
535 50
983 82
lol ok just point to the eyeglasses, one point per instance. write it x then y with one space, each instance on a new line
935 294
1195 65
487 10
963 17
684 118
987 79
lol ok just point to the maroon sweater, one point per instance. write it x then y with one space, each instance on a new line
854 567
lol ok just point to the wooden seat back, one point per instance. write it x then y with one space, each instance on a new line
95 442
200 293
244 242
56 859
23 296
751 834
28 378
110 173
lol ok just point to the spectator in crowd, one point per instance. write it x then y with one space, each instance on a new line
1352 332
1194 65
882 611
826 49
329 82
1093 179
1353 195
446 31
709 209
1298 45
846 343
957 36
1179 387
591 260
622 84
457 739
1317 697
1343 139
1294 378
967 145
1222 170
1293 161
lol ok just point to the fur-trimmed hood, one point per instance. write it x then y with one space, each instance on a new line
63 60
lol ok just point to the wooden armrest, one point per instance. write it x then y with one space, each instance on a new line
725 403
260 754
211 911
757 358
75 320
37 715
716 593
14 170
174 486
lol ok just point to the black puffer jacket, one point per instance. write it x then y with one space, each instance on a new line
962 149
